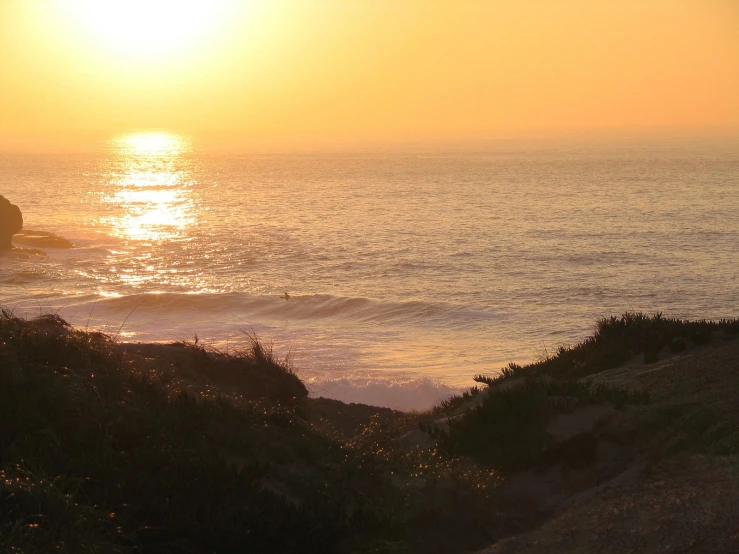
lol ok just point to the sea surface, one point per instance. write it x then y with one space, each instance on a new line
407 273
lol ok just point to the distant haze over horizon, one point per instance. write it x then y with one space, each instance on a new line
713 139
284 74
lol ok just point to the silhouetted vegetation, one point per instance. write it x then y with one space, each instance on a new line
618 339
98 452
507 428
104 447
456 401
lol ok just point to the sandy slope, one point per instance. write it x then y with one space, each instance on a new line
664 477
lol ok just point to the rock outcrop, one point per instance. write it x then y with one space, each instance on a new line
11 221
41 239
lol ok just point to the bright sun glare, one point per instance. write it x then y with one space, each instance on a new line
151 143
146 27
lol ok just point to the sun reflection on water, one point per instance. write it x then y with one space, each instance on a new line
150 191
152 215
150 205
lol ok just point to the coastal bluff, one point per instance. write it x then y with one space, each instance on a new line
625 442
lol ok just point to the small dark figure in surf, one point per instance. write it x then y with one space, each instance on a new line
285 296
11 221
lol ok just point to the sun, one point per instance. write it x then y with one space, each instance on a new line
146 28
150 144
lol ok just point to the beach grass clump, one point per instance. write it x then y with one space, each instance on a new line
508 372
254 368
456 401
50 342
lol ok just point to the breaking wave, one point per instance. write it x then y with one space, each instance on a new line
307 307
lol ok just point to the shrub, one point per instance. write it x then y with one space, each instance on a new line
506 430
617 339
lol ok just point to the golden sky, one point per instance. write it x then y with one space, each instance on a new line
333 71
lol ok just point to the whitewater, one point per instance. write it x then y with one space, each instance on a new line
407 272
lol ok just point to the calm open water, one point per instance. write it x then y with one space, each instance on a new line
407 273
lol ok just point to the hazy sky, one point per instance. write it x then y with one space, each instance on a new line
302 71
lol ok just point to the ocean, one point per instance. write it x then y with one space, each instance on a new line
407 273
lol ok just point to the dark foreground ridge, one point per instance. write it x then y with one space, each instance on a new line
625 442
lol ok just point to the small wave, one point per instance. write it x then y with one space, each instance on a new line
22 276
307 307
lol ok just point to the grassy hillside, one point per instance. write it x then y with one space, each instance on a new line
504 424
105 448
110 447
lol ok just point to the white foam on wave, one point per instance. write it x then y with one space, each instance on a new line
407 395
